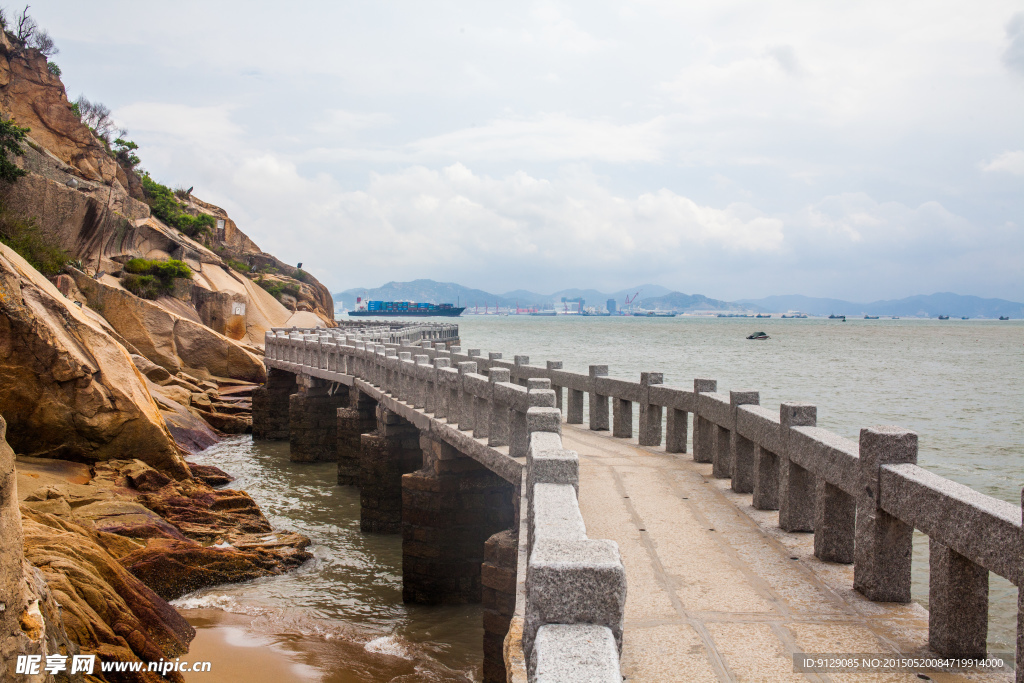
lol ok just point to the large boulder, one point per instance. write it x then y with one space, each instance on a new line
173 342
30 622
70 390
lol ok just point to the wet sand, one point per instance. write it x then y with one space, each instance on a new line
260 650
236 653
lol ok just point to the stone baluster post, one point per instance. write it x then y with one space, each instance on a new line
598 403
622 418
574 409
440 394
703 430
556 365
884 545
675 430
518 361
797 486
465 398
650 414
424 387
742 448
482 413
957 604
519 435
403 378
498 430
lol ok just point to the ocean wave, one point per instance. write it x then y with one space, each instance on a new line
388 645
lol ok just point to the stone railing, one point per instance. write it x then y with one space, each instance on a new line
862 500
573 590
389 332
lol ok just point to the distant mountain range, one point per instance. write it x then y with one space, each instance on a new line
657 297
925 306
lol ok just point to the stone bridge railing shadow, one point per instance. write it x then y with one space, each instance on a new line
861 500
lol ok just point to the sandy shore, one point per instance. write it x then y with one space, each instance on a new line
237 653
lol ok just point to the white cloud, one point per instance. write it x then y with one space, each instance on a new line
579 142
1007 162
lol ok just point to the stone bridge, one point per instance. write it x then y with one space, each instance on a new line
464 456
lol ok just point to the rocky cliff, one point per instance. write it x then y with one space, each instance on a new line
79 193
103 392
70 390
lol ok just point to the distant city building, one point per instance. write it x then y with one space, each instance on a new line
611 305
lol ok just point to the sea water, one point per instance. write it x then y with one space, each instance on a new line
956 383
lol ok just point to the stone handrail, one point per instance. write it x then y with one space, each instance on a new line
862 500
572 600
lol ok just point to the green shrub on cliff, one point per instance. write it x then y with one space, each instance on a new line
277 288
11 136
238 265
149 278
33 243
165 206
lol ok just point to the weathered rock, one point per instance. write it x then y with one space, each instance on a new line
71 391
171 341
190 431
210 475
106 610
227 423
205 514
151 370
36 98
30 622
173 568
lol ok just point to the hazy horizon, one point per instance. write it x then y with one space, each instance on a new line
862 151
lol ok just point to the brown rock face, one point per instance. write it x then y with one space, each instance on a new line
106 609
71 391
36 98
174 568
170 341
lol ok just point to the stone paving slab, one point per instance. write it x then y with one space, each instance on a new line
716 591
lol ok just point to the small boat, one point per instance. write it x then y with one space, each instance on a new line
763 315
1004 317
943 317
758 335
544 314
837 317
871 317
895 317
964 317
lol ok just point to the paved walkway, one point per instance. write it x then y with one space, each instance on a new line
716 592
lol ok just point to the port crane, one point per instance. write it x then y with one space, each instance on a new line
631 299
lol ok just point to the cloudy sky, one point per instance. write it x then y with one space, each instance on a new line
859 150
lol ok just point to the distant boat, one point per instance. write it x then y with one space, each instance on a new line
795 315
895 317
837 317
763 315
871 317
735 315
545 314
964 317
1004 317
759 336
943 317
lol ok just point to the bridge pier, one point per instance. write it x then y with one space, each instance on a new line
450 508
313 419
360 417
498 575
270 405
384 456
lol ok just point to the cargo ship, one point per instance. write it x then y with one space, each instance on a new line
404 309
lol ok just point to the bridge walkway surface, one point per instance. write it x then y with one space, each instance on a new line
716 592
